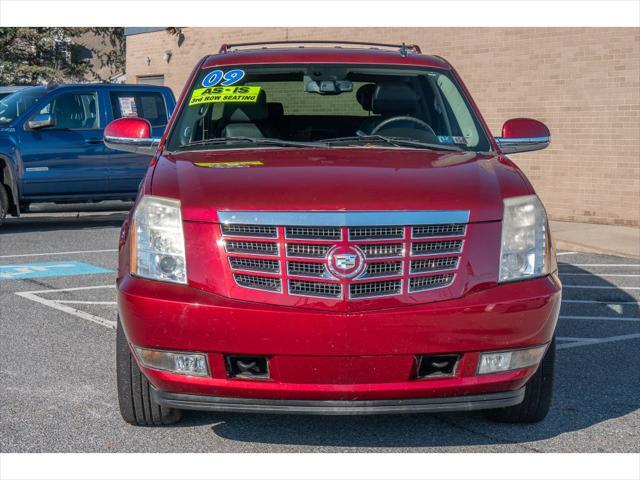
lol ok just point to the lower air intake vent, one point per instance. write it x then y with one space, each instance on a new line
427 283
258 283
375 289
315 289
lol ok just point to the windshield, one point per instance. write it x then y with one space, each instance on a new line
14 105
326 105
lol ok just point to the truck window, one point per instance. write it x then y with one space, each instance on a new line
147 105
74 111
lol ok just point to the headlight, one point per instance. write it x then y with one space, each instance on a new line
157 240
525 250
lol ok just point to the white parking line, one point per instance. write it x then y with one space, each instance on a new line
579 317
600 275
57 253
84 302
599 287
600 265
583 342
59 305
565 253
604 302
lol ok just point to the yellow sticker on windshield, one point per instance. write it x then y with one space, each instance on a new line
233 94
251 163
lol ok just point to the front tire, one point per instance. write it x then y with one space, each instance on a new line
137 407
4 203
537 396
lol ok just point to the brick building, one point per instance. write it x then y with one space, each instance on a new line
584 83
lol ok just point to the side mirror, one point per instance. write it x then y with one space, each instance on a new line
41 120
523 135
131 134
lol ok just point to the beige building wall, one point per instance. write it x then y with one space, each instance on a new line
584 83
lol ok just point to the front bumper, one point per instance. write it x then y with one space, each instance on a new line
339 359
336 407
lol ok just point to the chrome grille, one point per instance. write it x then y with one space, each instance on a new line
294 259
446 230
434 264
376 233
307 269
258 282
307 250
381 250
433 248
427 283
375 289
383 269
315 289
253 264
313 233
239 230
252 248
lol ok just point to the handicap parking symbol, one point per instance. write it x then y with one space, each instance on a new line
47 269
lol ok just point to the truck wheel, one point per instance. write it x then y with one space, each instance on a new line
134 391
4 203
537 396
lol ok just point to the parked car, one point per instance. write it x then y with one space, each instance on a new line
9 90
333 231
51 147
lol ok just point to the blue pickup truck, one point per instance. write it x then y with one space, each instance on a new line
51 147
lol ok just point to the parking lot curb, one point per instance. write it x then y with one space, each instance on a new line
577 247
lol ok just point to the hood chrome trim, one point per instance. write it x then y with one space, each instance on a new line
345 218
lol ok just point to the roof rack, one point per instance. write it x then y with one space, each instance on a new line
403 48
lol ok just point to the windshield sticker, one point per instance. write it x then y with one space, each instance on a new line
128 107
228 78
452 140
243 94
253 163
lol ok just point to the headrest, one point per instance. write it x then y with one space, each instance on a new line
275 109
393 98
244 112
364 95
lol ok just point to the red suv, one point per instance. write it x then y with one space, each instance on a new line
332 229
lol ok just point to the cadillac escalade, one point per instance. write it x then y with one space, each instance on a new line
331 228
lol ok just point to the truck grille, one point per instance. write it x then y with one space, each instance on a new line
294 260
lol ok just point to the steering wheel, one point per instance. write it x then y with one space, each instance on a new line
403 118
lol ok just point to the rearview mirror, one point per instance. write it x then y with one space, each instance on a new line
41 120
328 87
523 135
131 134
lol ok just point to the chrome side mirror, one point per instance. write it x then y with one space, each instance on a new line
41 120
131 135
523 135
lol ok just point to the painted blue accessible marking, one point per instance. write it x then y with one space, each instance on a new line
47 269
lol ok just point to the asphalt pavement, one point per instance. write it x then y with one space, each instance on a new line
57 364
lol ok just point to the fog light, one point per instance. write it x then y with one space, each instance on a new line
495 362
175 362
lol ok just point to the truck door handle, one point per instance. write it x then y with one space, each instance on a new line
93 140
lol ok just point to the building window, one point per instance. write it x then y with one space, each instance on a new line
151 79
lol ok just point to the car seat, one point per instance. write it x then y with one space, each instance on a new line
246 119
386 100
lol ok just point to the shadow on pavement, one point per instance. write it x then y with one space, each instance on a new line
593 384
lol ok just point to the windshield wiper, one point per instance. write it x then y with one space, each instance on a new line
395 141
255 141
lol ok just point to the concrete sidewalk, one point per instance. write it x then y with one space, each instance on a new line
592 238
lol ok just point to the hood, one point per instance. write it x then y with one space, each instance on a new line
337 179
